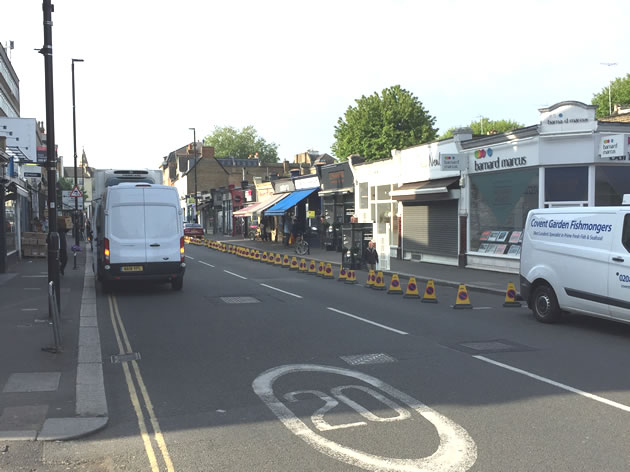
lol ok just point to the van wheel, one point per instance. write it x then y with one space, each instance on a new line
178 283
545 305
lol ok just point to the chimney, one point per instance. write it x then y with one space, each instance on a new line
462 134
294 173
285 167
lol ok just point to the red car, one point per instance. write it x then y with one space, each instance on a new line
193 230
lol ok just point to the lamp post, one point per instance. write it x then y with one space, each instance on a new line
609 64
74 135
195 167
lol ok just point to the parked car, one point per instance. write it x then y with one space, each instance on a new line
193 230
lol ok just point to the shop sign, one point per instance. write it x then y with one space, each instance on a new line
310 214
336 177
482 164
308 182
452 161
614 147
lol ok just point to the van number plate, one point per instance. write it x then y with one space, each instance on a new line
131 269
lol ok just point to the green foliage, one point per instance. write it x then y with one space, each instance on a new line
65 184
395 119
231 142
619 94
486 126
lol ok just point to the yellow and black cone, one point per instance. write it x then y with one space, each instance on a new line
257 256
369 283
352 277
510 297
412 289
463 300
429 293
394 286
312 268
343 274
302 268
379 282
270 258
263 258
286 262
328 272
294 263
320 269
278 260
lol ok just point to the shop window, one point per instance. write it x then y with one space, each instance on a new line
372 193
363 195
611 183
11 228
384 216
566 184
499 203
382 192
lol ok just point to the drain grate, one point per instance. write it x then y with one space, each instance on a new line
362 359
233 300
119 358
491 346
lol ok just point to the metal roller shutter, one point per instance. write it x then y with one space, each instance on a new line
431 228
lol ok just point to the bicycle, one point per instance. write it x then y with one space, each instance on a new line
301 246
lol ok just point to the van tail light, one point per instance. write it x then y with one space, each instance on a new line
106 250
181 249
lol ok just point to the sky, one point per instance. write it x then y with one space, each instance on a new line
154 69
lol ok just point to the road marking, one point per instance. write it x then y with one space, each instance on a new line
279 290
30 309
32 288
235 275
159 438
597 398
456 452
482 308
34 276
367 321
190 257
205 263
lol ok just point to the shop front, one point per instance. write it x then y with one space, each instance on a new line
292 212
338 203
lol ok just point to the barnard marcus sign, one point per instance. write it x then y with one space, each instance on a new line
614 147
488 159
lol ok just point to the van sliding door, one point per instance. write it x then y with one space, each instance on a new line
619 278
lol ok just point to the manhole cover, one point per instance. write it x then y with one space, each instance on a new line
239 300
362 359
491 346
117 359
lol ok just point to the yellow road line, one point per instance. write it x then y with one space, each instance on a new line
159 437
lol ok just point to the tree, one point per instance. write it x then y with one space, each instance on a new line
230 142
486 126
619 93
395 119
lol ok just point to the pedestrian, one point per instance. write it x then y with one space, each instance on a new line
63 250
371 256
45 225
323 229
287 230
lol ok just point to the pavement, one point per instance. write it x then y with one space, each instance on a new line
49 394
475 279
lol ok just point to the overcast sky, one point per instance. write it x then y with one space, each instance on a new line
154 69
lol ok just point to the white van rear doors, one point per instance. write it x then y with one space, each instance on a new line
619 279
125 226
162 225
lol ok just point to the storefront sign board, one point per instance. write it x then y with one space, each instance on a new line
615 146
453 161
305 183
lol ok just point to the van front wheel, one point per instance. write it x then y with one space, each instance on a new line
545 305
177 284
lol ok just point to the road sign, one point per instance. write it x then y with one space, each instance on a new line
68 202
76 193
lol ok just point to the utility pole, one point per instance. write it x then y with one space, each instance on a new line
609 64
74 134
194 130
51 154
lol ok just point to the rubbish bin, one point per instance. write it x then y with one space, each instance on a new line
355 238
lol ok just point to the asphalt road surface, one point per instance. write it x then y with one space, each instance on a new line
253 367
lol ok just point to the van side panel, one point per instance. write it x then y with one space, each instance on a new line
619 271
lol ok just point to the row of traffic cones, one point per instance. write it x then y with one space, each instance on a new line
375 280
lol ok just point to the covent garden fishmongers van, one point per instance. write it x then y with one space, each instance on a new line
577 260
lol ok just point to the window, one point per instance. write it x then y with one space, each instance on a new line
566 184
611 183
163 221
625 238
127 221
363 196
382 192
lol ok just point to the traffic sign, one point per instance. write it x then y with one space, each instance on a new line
76 193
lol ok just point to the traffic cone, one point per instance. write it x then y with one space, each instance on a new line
278 260
294 263
510 297
303 268
312 268
379 282
286 262
463 300
429 293
263 258
352 277
328 272
412 289
257 256
270 258
394 286
343 274
320 269
370 279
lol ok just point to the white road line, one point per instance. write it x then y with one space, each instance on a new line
32 288
367 321
190 258
30 309
33 276
482 308
279 290
597 398
205 263
235 275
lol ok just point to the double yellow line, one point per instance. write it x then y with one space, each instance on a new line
119 330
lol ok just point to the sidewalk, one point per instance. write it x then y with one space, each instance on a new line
43 394
474 279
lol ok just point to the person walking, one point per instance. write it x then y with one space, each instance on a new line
371 256
287 230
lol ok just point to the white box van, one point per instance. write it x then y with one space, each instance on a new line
140 234
577 260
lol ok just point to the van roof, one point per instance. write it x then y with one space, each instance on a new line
142 185
579 210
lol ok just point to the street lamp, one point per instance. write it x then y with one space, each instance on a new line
609 86
195 167
74 133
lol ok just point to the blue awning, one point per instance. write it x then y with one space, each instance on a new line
289 202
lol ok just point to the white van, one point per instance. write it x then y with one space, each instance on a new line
577 260
139 234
